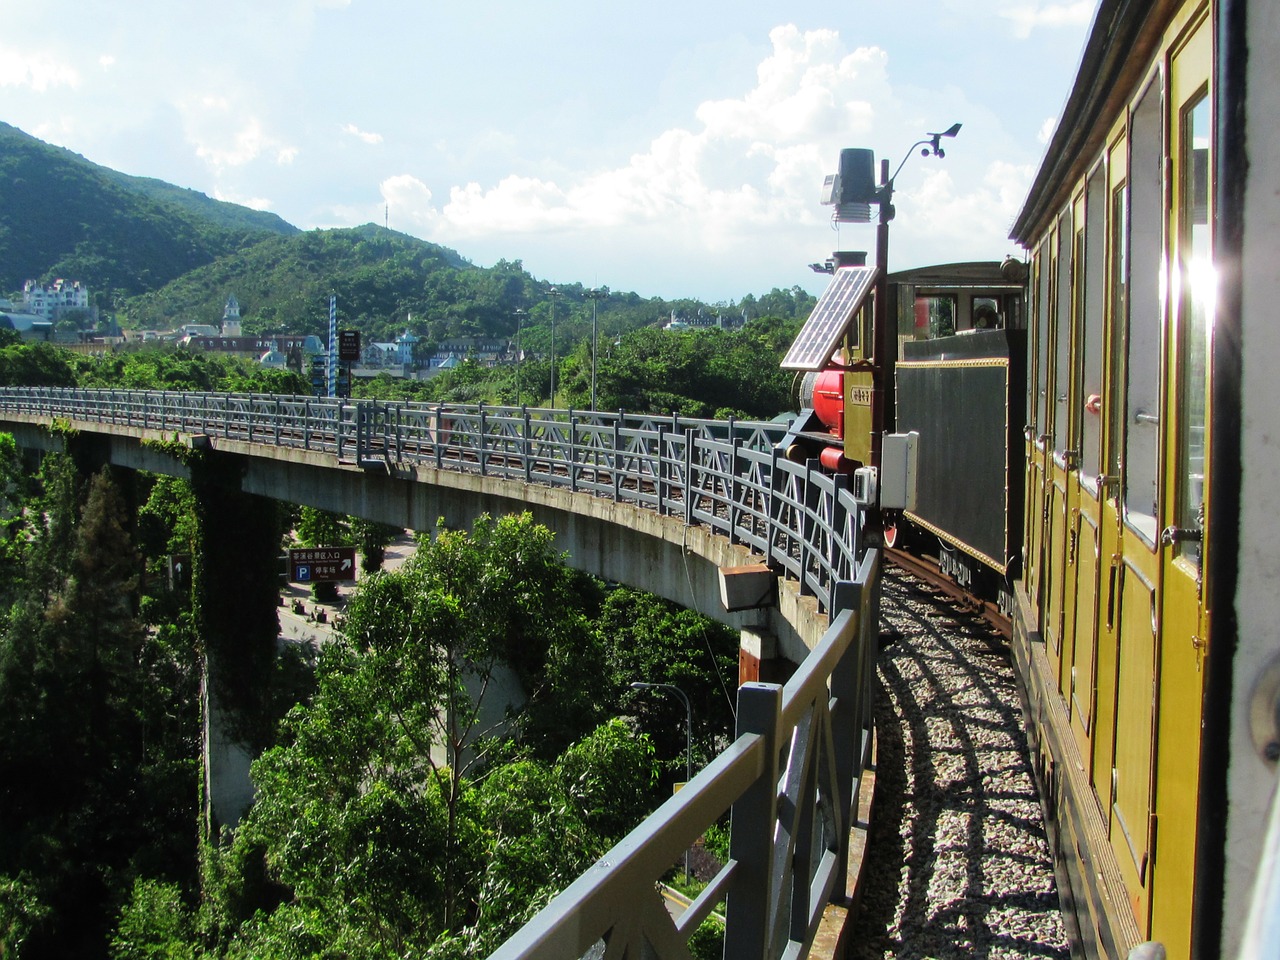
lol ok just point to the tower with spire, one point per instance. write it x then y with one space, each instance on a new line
231 317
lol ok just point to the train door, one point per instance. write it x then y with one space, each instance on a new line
1132 823
1069 460
1186 438
1086 518
1058 458
1037 435
1112 417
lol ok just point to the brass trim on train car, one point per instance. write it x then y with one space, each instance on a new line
1003 568
955 364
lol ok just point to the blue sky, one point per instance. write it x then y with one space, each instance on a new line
673 149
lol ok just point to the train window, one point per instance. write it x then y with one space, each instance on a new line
1062 336
1010 310
1146 257
936 315
1119 322
1197 289
1043 261
1089 399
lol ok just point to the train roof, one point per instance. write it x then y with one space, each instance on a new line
969 273
1122 39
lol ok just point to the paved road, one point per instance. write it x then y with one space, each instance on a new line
306 626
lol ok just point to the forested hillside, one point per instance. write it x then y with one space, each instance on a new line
157 255
64 216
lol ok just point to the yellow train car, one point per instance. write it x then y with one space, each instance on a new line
1146 618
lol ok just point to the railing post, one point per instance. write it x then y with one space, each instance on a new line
735 487
688 477
771 524
847 692
341 426
439 436
573 452
836 571
484 438
662 459
526 441
616 465
750 904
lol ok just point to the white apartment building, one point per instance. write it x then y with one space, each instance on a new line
54 300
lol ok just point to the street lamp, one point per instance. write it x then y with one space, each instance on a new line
553 293
688 738
596 295
519 353
852 192
885 347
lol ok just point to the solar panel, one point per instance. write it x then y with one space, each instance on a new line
831 315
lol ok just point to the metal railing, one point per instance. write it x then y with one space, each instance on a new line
790 777
725 475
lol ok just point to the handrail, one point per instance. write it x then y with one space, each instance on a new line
790 777
724 475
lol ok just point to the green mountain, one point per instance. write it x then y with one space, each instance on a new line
157 256
64 216
380 277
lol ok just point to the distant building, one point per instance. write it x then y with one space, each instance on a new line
53 301
231 317
484 351
405 344
677 323
26 325
274 358
255 347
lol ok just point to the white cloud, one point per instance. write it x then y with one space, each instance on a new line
1028 17
106 61
359 134
945 219
224 138
750 161
39 71
1045 134
407 201
254 203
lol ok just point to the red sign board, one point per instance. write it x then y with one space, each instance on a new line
309 564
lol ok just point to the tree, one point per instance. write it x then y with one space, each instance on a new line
86 738
655 641
372 538
386 813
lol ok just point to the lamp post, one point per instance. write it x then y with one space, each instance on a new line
688 738
863 193
596 295
519 353
553 293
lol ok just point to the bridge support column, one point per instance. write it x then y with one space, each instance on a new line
758 658
234 598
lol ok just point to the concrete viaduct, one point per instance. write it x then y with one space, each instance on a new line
705 514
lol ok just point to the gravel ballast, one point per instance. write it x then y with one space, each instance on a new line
958 864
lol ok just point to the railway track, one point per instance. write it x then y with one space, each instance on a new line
928 572
958 864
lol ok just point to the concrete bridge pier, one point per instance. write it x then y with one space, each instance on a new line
235 595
